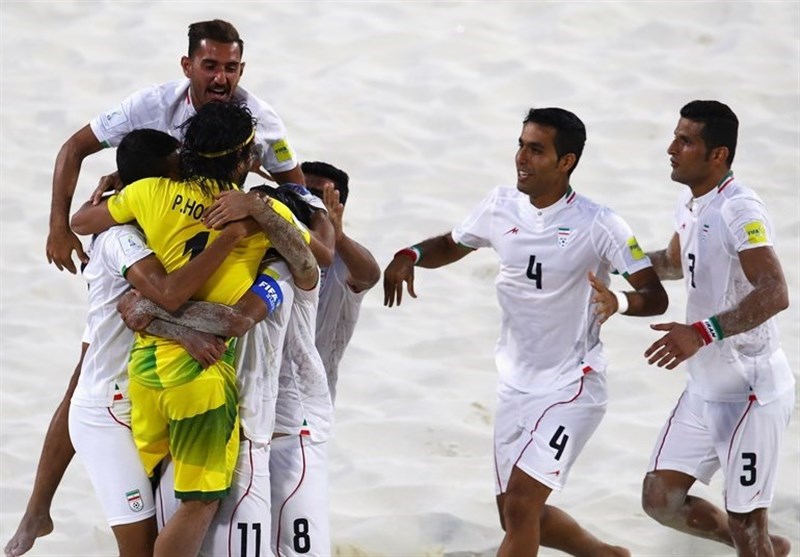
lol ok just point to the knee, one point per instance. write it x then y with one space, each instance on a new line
518 510
658 500
744 526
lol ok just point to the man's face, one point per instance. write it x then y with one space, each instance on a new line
316 184
688 154
539 170
214 71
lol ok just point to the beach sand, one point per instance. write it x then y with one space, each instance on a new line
422 104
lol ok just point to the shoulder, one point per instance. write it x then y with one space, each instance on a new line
256 105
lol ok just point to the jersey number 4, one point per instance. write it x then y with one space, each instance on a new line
535 271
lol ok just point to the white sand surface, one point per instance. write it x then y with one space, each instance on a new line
422 103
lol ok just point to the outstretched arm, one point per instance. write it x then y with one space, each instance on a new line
431 253
768 297
362 269
61 241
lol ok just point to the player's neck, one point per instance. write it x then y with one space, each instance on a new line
551 197
712 182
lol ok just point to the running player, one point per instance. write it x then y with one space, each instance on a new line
740 390
167 385
213 68
552 388
345 283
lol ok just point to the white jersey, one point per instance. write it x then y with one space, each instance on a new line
339 306
713 229
258 361
165 107
304 402
549 333
105 365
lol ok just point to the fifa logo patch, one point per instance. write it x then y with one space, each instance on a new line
135 500
636 252
282 151
756 232
563 236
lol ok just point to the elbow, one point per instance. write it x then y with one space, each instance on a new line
80 225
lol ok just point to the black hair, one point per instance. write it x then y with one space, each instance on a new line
292 200
215 30
570 131
216 140
720 125
144 153
339 177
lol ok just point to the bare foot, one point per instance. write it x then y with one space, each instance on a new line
31 526
781 546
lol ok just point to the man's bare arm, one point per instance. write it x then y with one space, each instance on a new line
61 241
667 262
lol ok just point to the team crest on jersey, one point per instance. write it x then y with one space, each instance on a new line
704 233
563 237
135 500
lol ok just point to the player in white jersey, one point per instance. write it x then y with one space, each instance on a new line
344 283
551 391
213 69
740 390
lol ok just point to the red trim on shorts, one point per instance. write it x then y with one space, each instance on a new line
280 513
669 425
751 399
113 417
246 493
535 427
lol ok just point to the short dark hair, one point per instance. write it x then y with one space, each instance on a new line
570 131
143 154
339 177
216 30
216 140
292 200
720 125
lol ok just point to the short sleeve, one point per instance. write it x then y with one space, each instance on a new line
617 244
127 248
475 231
143 109
122 205
747 222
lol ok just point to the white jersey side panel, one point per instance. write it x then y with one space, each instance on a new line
713 229
304 402
339 307
549 332
165 107
258 362
106 360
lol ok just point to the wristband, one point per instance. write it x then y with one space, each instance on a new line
268 289
622 302
413 253
709 329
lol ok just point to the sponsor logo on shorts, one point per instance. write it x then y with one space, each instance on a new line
636 252
756 232
135 500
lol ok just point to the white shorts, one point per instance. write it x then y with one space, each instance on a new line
241 526
103 441
300 514
742 438
543 435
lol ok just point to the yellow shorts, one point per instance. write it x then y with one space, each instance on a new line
197 423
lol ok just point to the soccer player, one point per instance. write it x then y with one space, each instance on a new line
97 415
167 386
740 391
552 387
345 283
213 68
